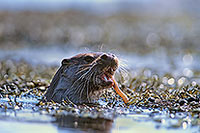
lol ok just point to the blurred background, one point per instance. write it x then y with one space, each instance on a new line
158 34
130 25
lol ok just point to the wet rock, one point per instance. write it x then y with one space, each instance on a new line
151 99
182 102
191 99
194 103
30 84
42 88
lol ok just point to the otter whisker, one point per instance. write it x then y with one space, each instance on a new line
94 77
79 79
123 69
87 94
90 69
85 66
81 66
85 69
83 75
88 83
88 77
78 89
81 93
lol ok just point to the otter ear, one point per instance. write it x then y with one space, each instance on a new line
65 62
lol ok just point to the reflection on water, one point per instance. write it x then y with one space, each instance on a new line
84 123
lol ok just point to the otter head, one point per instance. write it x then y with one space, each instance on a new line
87 73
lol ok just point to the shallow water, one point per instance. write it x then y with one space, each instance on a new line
27 120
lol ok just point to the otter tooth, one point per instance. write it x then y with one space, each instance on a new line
111 69
105 78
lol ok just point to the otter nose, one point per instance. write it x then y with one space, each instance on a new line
109 58
104 56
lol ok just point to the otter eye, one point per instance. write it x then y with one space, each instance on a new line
89 58
65 62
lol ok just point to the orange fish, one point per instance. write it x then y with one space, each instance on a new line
119 92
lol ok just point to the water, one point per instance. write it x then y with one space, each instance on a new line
27 120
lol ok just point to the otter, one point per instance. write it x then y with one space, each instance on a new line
80 76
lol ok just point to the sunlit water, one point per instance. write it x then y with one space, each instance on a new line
158 63
27 120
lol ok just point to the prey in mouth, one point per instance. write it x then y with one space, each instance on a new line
83 74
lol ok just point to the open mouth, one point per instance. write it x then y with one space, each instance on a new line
107 76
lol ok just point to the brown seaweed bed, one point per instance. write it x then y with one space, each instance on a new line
169 102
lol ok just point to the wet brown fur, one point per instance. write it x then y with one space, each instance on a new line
80 76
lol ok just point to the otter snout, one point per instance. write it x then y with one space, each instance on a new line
109 59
